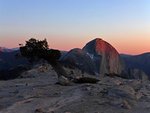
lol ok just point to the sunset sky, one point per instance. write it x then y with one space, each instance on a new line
68 24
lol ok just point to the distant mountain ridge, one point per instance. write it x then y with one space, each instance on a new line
4 49
141 61
9 60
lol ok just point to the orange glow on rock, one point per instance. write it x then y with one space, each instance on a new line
1 49
103 47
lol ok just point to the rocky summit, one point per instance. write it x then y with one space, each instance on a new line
97 55
80 59
1 50
105 56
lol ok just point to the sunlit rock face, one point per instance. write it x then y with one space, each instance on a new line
105 57
1 50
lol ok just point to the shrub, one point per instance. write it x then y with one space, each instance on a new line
86 80
115 75
35 50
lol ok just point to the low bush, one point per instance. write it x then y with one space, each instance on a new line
115 75
86 80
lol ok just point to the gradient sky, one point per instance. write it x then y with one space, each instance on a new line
67 24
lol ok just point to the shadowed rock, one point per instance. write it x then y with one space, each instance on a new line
79 58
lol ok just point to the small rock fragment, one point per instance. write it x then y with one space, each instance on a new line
125 105
40 110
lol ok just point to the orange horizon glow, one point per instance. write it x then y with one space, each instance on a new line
126 46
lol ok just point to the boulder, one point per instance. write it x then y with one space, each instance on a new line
64 81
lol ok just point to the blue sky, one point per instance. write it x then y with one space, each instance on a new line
120 22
